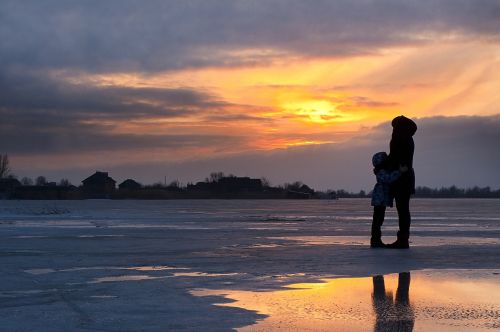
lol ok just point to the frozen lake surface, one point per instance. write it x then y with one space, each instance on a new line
220 265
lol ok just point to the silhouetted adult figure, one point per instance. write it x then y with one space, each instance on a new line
393 315
401 154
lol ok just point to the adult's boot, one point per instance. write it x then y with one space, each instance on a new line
401 243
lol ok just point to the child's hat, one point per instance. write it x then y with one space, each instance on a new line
378 158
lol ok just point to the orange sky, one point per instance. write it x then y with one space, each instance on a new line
298 101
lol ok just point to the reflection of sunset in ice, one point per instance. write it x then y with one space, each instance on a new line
448 301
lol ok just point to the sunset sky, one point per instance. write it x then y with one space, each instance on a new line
290 90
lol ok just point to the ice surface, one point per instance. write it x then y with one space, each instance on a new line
138 265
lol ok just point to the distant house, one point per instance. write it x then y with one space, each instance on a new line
297 194
129 184
199 186
230 184
98 185
236 184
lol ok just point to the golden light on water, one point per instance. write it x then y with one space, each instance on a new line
422 301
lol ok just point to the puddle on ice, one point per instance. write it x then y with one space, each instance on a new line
428 241
183 272
39 271
155 268
100 236
264 245
124 278
202 274
27 292
90 268
133 268
29 237
450 300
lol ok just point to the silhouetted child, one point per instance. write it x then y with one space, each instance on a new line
381 195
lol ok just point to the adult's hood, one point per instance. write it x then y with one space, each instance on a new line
404 126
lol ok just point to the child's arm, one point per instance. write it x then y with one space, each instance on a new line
387 177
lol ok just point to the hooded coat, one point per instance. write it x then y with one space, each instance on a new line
381 194
402 148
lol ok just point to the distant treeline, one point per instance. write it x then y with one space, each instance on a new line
101 185
217 185
426 192
455 192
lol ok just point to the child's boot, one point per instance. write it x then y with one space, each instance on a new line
376 239
377 243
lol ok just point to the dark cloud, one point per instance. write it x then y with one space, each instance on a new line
379 86
42 114
330 117
237 117
361 101
86 138
154 35
461 150
39 91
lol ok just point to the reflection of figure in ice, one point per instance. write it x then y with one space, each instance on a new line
393 315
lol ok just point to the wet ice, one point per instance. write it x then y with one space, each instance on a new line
137 265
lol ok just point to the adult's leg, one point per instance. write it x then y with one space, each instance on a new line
403 207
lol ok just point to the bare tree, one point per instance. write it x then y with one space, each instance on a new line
216 176
64 183
26 181
174 184
41 181
4 166
294 186
265 182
